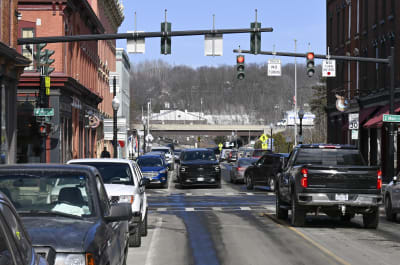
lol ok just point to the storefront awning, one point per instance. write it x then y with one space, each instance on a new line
376 121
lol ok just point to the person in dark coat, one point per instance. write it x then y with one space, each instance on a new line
105 153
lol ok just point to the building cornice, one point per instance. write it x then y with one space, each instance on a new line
113 11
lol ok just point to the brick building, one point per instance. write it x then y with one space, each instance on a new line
79 84
363 28
11 66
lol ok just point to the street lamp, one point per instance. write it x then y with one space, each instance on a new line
301 115
115 106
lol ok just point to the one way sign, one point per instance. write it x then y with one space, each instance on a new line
328 68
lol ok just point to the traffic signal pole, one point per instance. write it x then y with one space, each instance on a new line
136 35
390 61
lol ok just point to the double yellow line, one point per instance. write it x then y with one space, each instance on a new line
309 240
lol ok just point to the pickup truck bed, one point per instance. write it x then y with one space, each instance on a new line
330 179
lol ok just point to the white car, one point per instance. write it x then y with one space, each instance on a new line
169 156
124 182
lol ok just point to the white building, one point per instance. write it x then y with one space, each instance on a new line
122 75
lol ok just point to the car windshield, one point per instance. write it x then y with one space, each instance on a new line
150 162
113 173
53 193
246 162
160 150
330 157
199 155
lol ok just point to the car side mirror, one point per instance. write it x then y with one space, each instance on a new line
119 212
144 182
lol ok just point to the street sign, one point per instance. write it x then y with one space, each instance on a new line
354 135
328 68
353 121
149 138
263 138
264 146
213 45
274 67
47 81
43 112
220 145
135 45
390 118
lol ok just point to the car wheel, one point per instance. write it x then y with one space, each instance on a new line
272 183
280 213
135 240
347 217
143 229
390 216
298 214
249 182
371 220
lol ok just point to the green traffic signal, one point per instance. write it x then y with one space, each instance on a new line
240 67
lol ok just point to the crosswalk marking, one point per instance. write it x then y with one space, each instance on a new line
161 209
150 194
269 208
189 209
249 193
245 208
217 208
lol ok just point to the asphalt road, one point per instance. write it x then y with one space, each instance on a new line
234 226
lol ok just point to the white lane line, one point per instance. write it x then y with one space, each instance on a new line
207 194
189 209
269 207
152 253
161 209
230 193
245 208
216 208
250 193
188 194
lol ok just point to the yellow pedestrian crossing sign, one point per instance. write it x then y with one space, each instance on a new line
264 146
220 146
263 138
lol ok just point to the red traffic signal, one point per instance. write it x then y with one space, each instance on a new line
310 56
240 59
43 129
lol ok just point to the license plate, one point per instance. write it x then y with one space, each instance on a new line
341 197
200 179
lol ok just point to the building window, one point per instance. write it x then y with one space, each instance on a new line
383 9
27 49
365 7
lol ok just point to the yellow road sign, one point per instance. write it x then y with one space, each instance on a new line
220 146
263 138
264 146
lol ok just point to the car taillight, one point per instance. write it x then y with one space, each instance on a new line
240 168
304 173
379 180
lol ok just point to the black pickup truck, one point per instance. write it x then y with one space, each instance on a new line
331 179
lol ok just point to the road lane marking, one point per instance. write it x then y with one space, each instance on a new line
308 239
245 208
207 194
216 208
230 193
189 209
249 193
188 194
161 209
153 251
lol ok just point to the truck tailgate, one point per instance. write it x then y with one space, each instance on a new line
337 177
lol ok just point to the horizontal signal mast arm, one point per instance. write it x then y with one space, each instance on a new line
136 35
320 56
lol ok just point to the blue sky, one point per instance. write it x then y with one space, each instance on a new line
304 20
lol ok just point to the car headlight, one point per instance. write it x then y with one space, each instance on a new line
126 198
162 171
217 168
182 169
75 259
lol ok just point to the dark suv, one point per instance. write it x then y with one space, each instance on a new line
264 171
199 166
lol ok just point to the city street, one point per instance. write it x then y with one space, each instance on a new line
234 226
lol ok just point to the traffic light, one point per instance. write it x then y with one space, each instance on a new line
255 39
166 40
240 67
310 64
47 62
43 129
39 55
